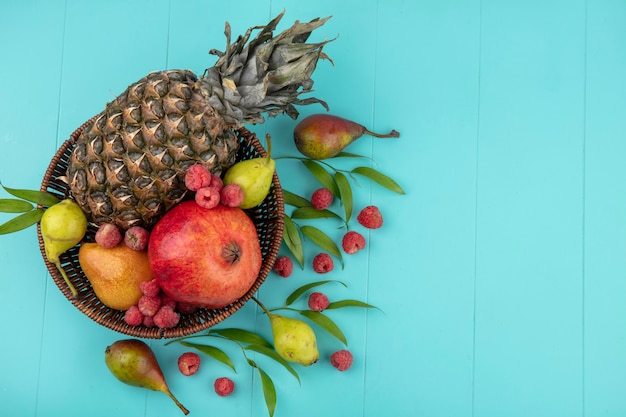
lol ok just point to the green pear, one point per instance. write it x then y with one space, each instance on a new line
254 176
134 363
322 136
63 226
294 340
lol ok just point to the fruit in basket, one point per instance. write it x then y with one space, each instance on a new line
134 363
63 226
294 340
322 136
205 257
115 273
129 165
108 235
254 177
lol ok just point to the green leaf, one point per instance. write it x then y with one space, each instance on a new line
322 175
243 336
12 205
307 213
269 391
38 197
325 323
271 353
343 154
213 352
322 240
291 237
348 303
295 200
297 293
21 222
345 192
379 178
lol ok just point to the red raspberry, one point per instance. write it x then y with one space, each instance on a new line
224 386
133 316
283 266
186 308
151 287
148 321
232 195
323 263
166 318
318 301
342 360
322 198
167 301
137 238
108 236
370 217
353 242
149 305
197 176
189 363
216 182
208 197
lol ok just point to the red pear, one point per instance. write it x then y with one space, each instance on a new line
322 136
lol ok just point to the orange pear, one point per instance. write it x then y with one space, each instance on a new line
115 273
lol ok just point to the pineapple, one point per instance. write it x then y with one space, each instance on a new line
128 166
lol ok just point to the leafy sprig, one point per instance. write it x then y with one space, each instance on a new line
29 204
338 181
249 341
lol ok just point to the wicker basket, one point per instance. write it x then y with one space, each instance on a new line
267 217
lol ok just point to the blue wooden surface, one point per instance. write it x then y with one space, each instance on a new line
501 273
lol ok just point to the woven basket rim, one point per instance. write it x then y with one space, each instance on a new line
87 303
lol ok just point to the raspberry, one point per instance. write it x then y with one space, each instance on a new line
323 263
148 321
232 195
186 308
318 301
189 363
133 316
151 288
136 238
166 318
216 182
322 198
149 305
224 386
167 301
342 360
352 242
370 217
197 176
108 235
208 197
283 266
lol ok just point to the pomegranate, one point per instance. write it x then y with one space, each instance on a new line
205 257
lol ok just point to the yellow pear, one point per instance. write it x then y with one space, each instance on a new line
115 273
294 340
63 226
254 176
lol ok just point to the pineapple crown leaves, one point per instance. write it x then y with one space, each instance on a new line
266 74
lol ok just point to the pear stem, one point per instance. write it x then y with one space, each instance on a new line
268 138
182 407
269 314
66 278
392 134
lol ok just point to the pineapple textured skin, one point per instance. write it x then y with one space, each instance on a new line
128 167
